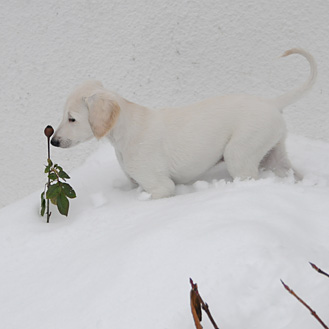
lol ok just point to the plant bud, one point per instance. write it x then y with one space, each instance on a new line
49 130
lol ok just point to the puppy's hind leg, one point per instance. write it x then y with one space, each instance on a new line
241 162
277 161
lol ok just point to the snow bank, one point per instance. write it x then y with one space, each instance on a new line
123 261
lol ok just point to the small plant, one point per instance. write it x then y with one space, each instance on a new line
56 189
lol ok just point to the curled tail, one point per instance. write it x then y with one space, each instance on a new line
295 94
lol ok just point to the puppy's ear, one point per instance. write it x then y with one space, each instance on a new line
103 113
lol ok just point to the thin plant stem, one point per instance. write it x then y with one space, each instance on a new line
48 132
48 212
307 306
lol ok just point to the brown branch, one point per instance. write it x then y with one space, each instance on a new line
319 270
308 307
198 300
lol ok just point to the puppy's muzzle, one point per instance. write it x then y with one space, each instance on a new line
60 142
55 142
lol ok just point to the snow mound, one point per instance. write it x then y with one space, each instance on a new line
122 260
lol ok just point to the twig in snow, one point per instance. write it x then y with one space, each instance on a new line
308 307
196 300
319 270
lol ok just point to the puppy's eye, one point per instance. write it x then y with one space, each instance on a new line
71 120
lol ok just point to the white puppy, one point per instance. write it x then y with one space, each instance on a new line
158 148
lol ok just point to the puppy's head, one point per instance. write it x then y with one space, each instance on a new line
90 111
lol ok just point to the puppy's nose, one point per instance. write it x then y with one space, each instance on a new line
55 142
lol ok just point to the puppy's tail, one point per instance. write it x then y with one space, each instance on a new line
295 94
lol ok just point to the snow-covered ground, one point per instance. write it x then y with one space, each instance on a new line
121 260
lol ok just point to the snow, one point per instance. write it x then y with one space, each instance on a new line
121 260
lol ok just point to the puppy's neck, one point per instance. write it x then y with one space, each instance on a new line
131 120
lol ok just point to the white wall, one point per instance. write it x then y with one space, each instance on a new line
155 53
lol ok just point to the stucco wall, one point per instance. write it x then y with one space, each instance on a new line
155 53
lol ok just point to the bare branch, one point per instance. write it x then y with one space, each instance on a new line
319 270
308 307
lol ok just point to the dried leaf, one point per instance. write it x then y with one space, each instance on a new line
196 309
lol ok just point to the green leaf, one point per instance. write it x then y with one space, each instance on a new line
50 163
63 174
68 190
47 169
54 200
52 176
43 204
53 191
63 204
